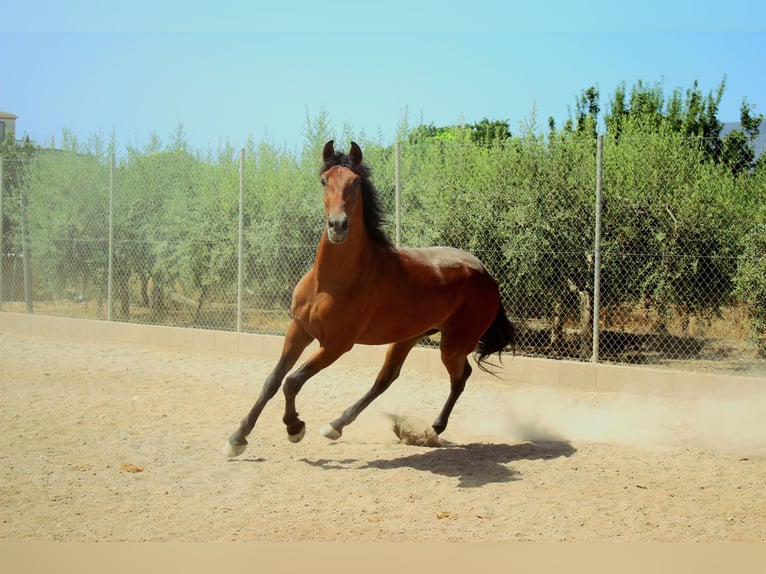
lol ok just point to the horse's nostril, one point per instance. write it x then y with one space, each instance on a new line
338 224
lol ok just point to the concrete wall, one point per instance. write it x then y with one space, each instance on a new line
532 371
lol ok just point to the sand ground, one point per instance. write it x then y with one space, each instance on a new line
104 442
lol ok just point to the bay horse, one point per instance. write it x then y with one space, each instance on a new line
362 289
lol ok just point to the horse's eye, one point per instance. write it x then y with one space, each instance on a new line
323 181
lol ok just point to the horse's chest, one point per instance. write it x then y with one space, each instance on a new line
327 315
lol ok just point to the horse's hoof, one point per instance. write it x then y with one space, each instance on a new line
232 450
329 432
298 437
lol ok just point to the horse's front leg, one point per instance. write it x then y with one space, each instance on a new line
296 340
322 358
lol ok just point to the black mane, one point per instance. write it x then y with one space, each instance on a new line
372 209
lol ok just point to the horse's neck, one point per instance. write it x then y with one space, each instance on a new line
342 265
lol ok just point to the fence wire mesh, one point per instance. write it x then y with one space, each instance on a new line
681 263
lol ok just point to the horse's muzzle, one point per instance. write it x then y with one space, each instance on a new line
337 228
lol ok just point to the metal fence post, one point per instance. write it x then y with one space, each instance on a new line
398 197
240 246
2 253
26 254
109 265
597 248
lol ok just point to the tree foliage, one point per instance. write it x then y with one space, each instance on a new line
675 194
681 227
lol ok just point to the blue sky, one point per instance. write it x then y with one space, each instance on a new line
229 70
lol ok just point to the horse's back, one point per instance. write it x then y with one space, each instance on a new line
437 288
445 268
442 258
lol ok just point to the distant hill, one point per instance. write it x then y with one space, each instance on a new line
760 142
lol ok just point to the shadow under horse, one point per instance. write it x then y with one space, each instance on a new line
473 465
362 289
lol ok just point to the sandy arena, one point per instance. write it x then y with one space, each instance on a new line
107 442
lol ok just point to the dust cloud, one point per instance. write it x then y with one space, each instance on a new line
730 424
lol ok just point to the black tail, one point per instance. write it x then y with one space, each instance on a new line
500 334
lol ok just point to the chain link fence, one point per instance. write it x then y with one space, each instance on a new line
648 250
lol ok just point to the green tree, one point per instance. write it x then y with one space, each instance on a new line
668 219
67 207
16 161
647 111
154 190
14 232
587 108
737 147
490 132
751 284
547 234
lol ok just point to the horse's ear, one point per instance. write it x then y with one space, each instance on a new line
355 154
328 152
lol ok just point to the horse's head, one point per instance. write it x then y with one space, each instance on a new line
342 189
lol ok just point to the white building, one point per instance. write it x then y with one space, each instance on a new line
7 125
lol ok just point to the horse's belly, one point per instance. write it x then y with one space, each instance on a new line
393 332
415 317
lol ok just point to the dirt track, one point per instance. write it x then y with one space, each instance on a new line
104 442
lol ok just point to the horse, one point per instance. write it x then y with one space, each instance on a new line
362 289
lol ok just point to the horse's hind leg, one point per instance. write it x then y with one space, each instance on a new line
459 370
389 372
296 340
